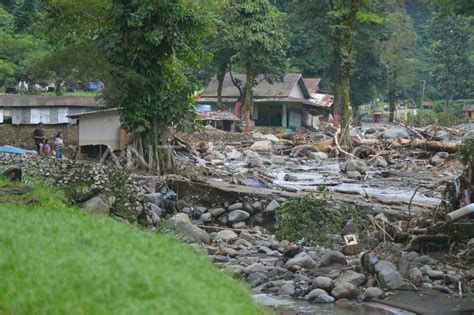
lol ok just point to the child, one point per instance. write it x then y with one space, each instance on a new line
59 146
46 147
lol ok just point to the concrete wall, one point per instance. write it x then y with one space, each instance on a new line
22 136
100 128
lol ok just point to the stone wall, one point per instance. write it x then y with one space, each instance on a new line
22 136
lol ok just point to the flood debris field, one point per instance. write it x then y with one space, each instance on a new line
300 221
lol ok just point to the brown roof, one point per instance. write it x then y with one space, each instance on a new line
212 115
468 108
261 89
321 99
312 84
47 101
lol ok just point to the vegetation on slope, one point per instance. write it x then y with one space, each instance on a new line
55 259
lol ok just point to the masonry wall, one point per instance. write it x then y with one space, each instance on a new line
22 136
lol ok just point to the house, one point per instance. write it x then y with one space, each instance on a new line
282 104
50 110
99 130
468 111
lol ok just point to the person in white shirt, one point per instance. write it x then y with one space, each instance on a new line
59 142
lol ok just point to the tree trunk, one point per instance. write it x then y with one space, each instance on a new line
391 104
248 105
221 71
58 88
446 99
336 61
345 89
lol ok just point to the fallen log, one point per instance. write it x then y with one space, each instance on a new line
424 242
457 214
436 146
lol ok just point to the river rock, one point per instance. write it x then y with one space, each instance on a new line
272 206
396 132
424 260
287 288
279 159
235 206
238 215
271 138
390 279
97 205
318 156
324 283
324 298
239 225
252 159
345 290
353 277
216 155
356 165
411 256
433 274
154 198
223 219
234 155
257 278
181 226
379 162
314 294
257 267
385 265
206 217
226 235
333 257
302 260
262 146
371 293
215 212
415 276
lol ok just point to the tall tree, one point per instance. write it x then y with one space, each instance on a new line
396 53
450 54
258 35
149 45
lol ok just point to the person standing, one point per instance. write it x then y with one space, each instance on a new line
59 142
38 136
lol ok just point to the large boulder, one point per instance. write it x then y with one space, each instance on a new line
272 206
234 155
396 132
154 198
333 257
372 293
390 279
257 267
216 155
314 294
98 204
302 260
252 158
226 235
180 225
262 146
318 156
353 277
385 265
238 215
324 283
271 138
357 166
288 288
345 290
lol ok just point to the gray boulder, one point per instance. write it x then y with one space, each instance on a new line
371 293
216 155
287 288
324 283
353 277
215 212
324 298
333 257
262 146
318 156
272 206
302 260
180 225
356 165
226 235
206 217
238 215
385 265
271 138
257 267
314 294
396 132
345 290
252 159
390 279
98 204
154 198
235 206
234 155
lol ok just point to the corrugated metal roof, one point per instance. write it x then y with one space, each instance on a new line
261 89
212 115
468 108
47 101
79 115
321 99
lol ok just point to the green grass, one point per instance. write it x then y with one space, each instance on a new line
55 259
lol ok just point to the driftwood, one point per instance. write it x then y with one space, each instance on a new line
436 146
458 214
113 157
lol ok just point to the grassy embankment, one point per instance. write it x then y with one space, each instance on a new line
55 259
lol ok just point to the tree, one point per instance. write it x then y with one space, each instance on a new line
149 45
258 36
396 51
449 54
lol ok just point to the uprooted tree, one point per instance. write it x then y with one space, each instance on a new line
149 46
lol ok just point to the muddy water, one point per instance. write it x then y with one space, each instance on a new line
288 306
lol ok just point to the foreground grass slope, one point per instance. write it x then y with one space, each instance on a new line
57 260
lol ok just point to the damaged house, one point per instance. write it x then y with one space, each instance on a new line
289 104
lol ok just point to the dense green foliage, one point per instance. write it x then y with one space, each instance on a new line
57 260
